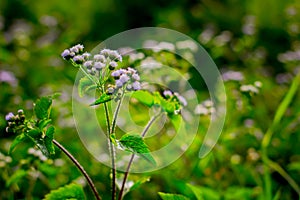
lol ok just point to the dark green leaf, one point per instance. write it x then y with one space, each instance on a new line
102 99
136 144
144 97
34 133
48 140
42 107
40 143
18 175
71 191
166 196
16 141
84 84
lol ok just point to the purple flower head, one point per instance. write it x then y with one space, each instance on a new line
136 77
110 90
182 100
124 78
136 85
74 49
9 117
99 65
116 73
112 65
99 57
86 55
88 64
119 84
78 59
168 93
66 54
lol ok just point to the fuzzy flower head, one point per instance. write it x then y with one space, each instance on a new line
15 121
70 53
126 79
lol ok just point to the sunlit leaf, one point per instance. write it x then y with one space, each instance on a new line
16 141
102 99
42 107
144 97
166 196
204 192
43 123
136 144
71 191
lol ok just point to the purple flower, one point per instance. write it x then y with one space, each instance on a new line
168 93
119 83
136 77
88 64
9 117
99 57
182 100
116 73
124 78
66 54
99 65
78 59
136 85
112 65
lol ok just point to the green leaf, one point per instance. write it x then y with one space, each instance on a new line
176 120
102 99
71 191
204 192
48 140
166 196
136 144
138 183
34 133
18 175
43 123
16 141
85 84
144 97
42 107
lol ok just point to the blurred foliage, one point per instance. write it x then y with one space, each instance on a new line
250 41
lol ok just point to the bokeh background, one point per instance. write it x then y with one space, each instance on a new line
249 41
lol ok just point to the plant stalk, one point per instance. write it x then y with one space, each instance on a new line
151 121
79 166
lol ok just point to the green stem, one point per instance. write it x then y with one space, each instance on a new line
268 137
112 153
150 122
81 169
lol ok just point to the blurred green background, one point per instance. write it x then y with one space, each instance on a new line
258 39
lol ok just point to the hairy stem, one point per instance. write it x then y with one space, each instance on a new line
78 165
151 121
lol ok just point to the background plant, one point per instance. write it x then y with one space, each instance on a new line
247 43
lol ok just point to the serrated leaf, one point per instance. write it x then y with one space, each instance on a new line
16 141
48 140
43 123
136 144
71 191
144 97
18 175
42 107
167 196
102 99
84 83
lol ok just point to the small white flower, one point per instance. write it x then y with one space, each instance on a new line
136 77
119 83
99 57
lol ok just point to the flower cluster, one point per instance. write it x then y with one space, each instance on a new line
176 96
14 120
92 64
127 79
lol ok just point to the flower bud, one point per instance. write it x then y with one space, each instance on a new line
112 65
